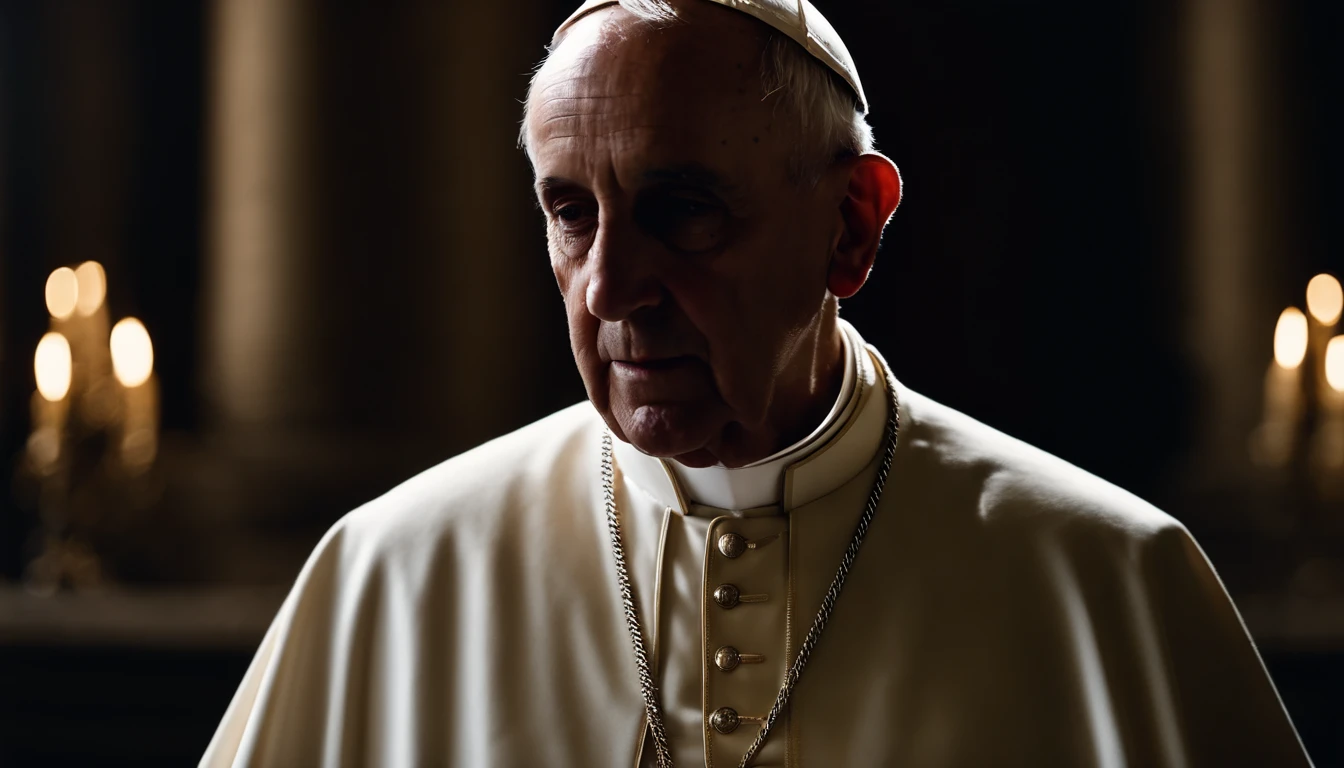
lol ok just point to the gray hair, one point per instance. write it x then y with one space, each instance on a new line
829 124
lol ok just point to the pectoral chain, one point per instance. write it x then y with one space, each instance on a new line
648 688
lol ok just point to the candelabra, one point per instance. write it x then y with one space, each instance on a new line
91 451
1299 443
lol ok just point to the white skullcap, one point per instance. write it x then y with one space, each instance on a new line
798 19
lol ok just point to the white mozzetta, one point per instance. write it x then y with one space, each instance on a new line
1007 608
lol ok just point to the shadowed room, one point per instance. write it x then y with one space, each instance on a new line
261 261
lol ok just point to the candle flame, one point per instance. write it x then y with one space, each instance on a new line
92 287
62 293
53 367
1290 338
1334 363
132 353
1325 299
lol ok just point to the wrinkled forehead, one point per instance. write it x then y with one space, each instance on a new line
612 82
705 39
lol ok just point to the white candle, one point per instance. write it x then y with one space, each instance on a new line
91 315
139 443
133 364
52 370
1273 442
1327 450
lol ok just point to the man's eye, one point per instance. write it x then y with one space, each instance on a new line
686 224
688 208
572 212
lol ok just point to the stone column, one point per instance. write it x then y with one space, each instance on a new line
377 291
1238 249
258 288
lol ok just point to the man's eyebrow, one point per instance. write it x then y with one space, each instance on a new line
553 182
690 173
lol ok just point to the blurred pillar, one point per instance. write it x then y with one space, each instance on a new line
257 371
372 297
1236 245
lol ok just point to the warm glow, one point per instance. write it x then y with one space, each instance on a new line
52 366
1325 299
132 353
92 287
1290 338
62 293
1334 363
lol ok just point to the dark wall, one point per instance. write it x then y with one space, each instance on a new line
1033 277
1027 278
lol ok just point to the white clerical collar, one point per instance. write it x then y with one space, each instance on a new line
834 452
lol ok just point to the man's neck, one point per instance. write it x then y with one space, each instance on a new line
761 483
813 382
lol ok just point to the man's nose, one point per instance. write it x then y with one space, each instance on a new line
621 277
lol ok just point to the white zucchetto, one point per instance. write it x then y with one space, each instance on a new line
798 19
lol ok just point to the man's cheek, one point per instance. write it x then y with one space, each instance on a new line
564 276
583 338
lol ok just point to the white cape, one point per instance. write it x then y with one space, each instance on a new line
1007 609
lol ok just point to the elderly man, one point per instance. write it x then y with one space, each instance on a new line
752 546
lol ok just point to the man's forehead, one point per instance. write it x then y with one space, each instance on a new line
649 100
612 45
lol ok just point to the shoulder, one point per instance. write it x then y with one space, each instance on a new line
483 492
1017 486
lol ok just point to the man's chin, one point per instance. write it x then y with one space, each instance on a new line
669 432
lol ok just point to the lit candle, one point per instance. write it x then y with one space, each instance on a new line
1327 450
1334 365
133 363
1273 444
99 398
62 294
1325 300
52 367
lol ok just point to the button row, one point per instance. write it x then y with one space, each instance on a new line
733 545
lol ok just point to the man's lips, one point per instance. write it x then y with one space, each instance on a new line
658 363
650 369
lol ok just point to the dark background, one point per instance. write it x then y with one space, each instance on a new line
1107 205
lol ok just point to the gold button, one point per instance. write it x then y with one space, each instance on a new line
727 658
726 595
732 545
724 720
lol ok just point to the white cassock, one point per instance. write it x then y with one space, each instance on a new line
1006 609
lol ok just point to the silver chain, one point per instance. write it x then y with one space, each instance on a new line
647 686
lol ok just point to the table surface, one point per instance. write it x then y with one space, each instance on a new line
204 618
236 617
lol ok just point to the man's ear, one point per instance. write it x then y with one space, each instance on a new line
871 197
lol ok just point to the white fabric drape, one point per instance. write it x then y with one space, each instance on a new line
1007 609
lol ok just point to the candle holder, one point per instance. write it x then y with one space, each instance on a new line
94 438
1299 444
